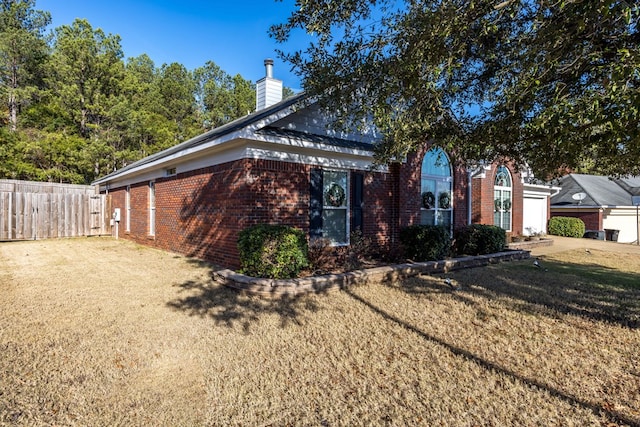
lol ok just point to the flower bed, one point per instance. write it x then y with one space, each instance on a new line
324 283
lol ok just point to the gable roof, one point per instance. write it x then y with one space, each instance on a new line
601 191
273 123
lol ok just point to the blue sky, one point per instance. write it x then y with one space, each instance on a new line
231 33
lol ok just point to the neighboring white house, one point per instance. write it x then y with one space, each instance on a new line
603 203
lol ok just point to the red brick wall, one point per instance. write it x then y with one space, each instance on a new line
592 219
409 190
483 200
139 209
460 196
200 213
378 210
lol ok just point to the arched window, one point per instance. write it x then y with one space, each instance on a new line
502 198
436 185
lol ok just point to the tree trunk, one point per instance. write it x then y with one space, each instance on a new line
13 111
13 102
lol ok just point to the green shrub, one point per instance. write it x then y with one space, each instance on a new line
425 242
480 239
566 226
272 251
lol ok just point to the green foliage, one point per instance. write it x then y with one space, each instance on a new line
222 97
10 156
480 239
553 84
175 87
287 92
86 70
75 110
272 251
23 51
566 226
425 242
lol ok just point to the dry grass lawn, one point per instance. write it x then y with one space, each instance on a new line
102 332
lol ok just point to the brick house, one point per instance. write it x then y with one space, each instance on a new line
284 164
606 205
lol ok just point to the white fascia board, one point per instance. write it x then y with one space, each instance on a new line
310 158
629 207
539 189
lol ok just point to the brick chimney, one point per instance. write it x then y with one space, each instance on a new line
268 89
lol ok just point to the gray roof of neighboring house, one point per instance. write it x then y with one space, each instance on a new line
599 190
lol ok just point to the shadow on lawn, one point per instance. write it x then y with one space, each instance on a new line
230 308
613 415
588 290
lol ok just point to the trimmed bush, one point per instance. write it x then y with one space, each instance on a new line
272 251
425 242
480 239
566 226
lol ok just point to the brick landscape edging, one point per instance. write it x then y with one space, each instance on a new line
317 284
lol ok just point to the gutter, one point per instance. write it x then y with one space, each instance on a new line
469 195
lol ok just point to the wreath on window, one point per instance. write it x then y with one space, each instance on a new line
502 205
428 200
444 200
335 195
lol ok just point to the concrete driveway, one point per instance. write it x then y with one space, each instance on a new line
561 244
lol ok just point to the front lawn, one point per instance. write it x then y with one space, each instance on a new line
104 332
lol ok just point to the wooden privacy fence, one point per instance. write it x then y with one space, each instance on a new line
34 210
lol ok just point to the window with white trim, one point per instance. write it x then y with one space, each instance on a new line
152 208
335 200
436 184
502 198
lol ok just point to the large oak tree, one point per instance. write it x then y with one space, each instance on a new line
553 83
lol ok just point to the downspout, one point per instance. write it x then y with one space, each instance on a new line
469 193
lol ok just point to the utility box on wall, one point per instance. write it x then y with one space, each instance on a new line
116 214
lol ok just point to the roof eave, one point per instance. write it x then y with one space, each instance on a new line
216 136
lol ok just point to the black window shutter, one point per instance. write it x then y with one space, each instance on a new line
357 190
315 203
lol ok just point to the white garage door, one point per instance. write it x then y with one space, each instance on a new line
534 215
